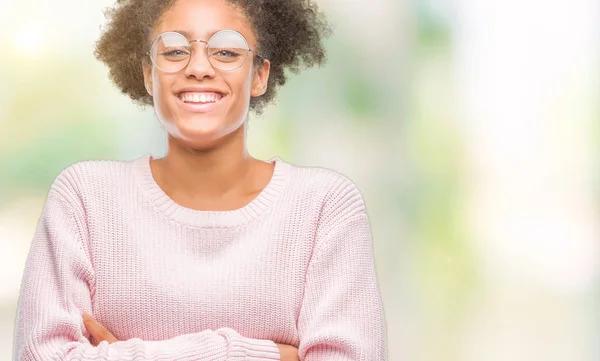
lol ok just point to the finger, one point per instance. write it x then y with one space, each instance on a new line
98 331
88 323
93 341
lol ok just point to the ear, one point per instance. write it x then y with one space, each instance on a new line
147 70
261 77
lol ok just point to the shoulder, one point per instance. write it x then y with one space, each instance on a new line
79 179
338 196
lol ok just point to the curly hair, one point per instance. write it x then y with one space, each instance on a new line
290 34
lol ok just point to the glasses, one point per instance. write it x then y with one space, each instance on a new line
226 50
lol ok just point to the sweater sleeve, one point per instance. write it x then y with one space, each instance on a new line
342 317
58 282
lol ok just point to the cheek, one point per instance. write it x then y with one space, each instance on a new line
243 83
243 101
162 97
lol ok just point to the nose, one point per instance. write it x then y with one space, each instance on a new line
199 67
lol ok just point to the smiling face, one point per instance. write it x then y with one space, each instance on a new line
199 106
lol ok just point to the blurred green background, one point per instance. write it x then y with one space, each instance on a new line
471 128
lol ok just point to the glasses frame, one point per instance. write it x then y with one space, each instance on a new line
205 47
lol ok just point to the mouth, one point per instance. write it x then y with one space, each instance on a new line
200 102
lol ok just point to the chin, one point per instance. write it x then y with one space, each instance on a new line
203 136
199 130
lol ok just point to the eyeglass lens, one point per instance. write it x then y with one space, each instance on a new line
227 50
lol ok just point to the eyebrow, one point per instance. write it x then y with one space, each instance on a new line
189 35
182 32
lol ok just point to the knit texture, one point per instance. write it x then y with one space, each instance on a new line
294 266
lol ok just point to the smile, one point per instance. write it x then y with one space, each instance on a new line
200 102
200 97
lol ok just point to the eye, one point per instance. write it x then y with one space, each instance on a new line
225 53
175 53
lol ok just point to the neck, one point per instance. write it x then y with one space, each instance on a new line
211 173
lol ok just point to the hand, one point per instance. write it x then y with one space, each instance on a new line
98 331
287 352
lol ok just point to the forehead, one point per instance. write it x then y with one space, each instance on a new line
200 19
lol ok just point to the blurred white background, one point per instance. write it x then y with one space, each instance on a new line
470 126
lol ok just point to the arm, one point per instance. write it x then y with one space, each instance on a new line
101 333
58 282
342 317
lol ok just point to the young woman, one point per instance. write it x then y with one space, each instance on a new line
206 253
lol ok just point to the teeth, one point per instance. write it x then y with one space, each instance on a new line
200 97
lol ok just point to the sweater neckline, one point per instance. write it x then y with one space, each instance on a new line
212 219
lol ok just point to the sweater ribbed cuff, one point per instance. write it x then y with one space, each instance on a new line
248 349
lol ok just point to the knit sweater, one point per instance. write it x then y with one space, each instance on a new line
294 266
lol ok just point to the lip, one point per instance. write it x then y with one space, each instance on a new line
199 89
199 108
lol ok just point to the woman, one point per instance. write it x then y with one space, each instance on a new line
207 253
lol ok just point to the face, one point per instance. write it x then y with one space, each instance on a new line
200 105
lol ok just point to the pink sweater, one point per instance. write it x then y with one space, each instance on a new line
295 266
